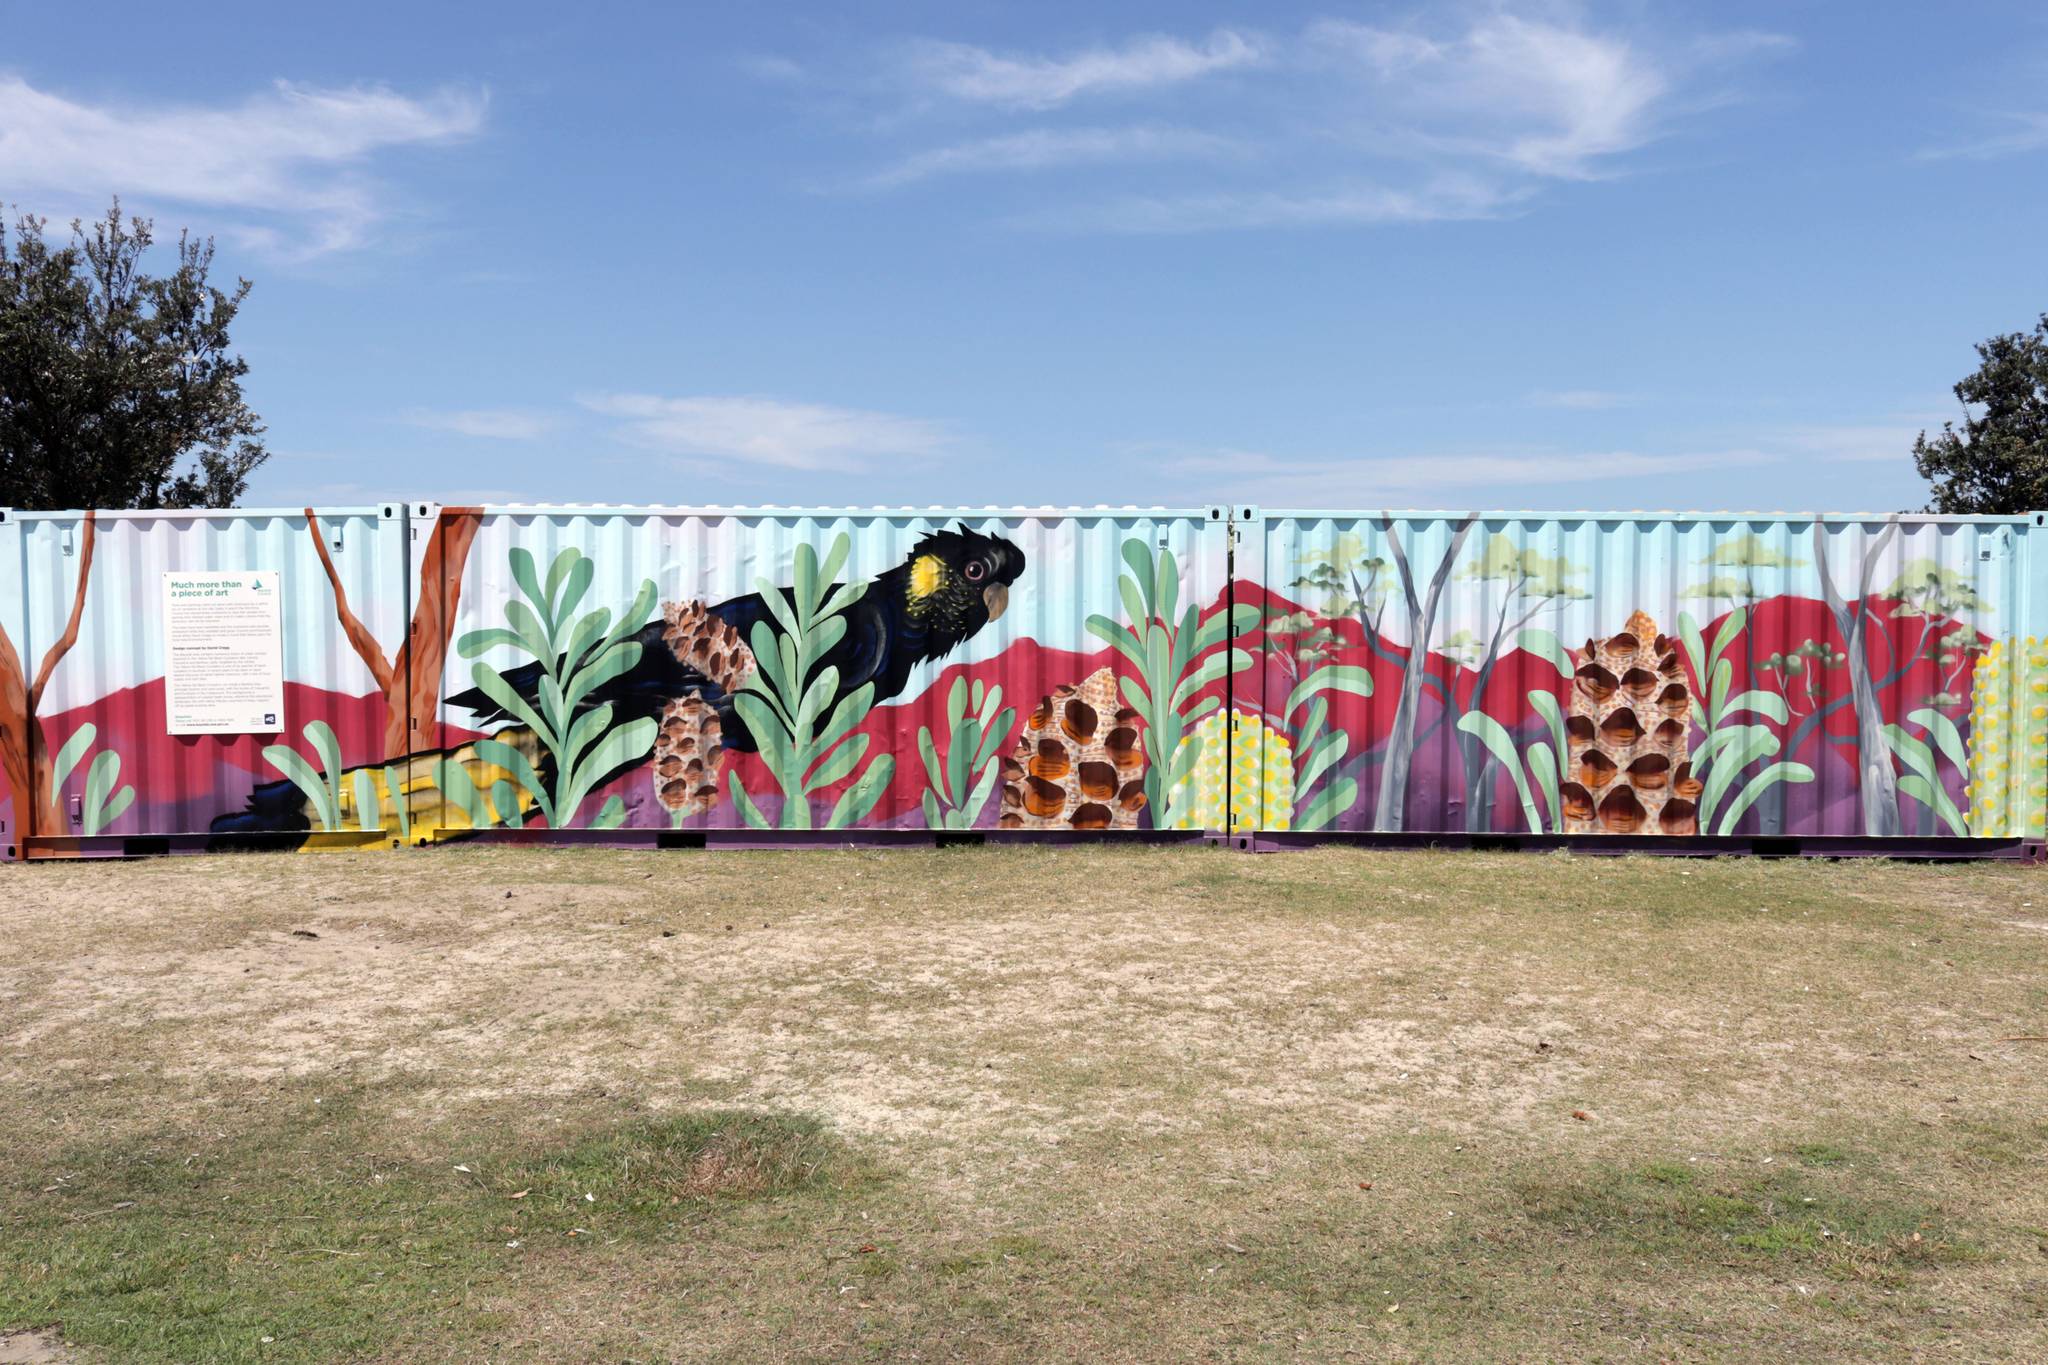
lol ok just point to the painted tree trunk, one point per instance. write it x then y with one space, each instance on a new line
24 756
1391 813
1877 781
411 684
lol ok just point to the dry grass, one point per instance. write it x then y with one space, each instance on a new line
1025 1104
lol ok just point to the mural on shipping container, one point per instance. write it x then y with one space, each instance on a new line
450 670
1837 677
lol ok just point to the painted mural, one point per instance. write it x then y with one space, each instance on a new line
455 670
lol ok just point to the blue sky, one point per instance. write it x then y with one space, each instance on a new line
1513 255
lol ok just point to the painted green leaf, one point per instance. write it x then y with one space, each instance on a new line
1321 757
99 787
369 805
1930 793
835 558
616 661
1945 735
1731 626
744 803
960 760
611 814
1544 762
1208 671
73 750
533 634
1747 744
1695 650
1762 702
860 798
1544 645
523 574
1332 678
456 788
621 748
1758 785
580 573
1547 706
1110 633
1501 745
852 709
933 819
992 742
1318 711
976 799
475 642
1166 586
1332 802
842 761
502 755
1133 601
935 777
505 801
394 786
1143 569
114 809
319 802
493 685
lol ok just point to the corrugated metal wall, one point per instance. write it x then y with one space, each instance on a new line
110 677
1290 672
1072 563
1574 666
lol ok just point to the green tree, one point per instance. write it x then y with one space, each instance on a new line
117 388
1998 463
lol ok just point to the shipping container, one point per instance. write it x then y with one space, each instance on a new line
409 674
1536 674
967 675
83 706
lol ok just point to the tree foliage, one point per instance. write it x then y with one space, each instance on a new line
117 388
1998 463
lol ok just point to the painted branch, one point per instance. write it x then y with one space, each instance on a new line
24 756
413 699
1879 784
1391 814
70 636
366 646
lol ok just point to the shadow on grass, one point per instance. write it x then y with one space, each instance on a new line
1812 1208
299 1241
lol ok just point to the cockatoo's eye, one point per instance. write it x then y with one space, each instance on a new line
976 571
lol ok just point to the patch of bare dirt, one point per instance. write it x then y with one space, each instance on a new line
34 1348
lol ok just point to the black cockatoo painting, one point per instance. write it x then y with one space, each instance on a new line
691 663
692 660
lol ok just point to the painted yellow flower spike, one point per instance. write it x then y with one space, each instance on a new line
2008 730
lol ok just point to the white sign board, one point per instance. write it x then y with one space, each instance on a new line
223 654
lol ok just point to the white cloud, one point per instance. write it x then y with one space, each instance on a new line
1448 198
1548 99
1462 113
1043 148
1583 400
768 431
980 76
285 169
493 424
2023 133
1861 443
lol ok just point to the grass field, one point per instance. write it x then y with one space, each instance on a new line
1010 1104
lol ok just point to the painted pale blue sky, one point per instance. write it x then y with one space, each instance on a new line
1547 256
